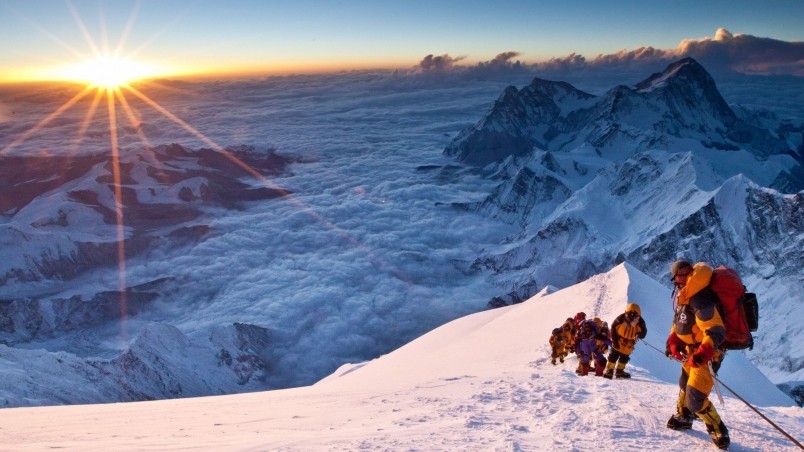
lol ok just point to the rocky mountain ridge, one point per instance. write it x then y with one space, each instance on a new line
679 109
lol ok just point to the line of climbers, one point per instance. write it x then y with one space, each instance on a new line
713 313
591 339
698 339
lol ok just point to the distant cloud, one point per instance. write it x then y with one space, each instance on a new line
724 53
500 64
441 63
746 54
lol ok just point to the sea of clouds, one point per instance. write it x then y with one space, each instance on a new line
362 257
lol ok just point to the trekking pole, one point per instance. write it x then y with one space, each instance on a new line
717 380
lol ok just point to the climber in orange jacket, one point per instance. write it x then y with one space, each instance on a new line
694 338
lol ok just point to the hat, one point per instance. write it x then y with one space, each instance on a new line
678 265
633 307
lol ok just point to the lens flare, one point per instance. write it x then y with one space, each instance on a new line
108 72
111 76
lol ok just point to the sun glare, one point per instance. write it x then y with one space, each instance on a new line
107 72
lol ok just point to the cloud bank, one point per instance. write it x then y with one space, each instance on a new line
746 54
724 53
500 64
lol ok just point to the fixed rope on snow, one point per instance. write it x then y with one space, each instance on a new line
720 397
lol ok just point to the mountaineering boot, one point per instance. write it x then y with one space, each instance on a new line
561 358
715 426
579 370
620 372
599 370
585 370
553 361
679 422
683 418
719 435
609 373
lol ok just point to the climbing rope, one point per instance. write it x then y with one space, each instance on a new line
718 380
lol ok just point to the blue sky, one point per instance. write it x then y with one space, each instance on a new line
306 35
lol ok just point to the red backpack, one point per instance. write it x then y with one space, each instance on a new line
738 308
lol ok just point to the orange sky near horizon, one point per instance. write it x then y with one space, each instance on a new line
204 38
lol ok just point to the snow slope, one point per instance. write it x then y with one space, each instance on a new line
481 382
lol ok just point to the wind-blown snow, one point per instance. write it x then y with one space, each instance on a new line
481 382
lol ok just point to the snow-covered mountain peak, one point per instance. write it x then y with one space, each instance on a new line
677 110
558 90
686 70
731 200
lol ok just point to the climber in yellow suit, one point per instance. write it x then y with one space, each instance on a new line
694 338
626 329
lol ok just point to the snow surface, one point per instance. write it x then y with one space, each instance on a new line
481 382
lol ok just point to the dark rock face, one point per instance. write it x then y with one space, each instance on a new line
24 320
518 197
247 352
508 130
765 237
772 234
22 179
163 363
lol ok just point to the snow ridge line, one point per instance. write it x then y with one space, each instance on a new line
603 294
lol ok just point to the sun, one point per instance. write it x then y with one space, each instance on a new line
109 72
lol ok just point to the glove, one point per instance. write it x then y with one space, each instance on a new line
702 355
716 365
675 347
